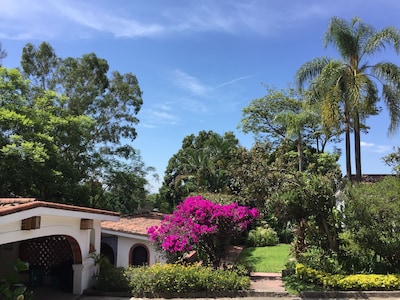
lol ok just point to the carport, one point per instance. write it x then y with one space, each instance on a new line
56 239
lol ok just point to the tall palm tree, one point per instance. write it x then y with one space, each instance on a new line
347 89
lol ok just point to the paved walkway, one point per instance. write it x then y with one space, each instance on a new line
266 282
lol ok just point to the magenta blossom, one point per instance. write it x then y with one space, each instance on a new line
199 224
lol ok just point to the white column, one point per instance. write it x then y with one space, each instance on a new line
83 276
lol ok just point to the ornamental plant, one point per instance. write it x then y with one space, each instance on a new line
204 226
166 280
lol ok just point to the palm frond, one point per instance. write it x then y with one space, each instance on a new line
310 70
340 35
387 73
388 36
391 96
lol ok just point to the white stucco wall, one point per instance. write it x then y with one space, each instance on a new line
55 222
125 243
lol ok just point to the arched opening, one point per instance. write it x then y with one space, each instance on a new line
139 255
50 259
108 253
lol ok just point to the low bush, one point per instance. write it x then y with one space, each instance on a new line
161 279
111 279
262 236
364 282
317 258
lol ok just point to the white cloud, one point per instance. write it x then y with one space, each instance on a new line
376 148
158 115
105 21
188 82
364 144
22 19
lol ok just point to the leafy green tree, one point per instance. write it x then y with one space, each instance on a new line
373 218
309 202
67 128
347 89
124 186
282 117
33 130
39 64
393 160
199 166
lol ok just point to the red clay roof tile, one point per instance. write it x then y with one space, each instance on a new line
135 224
13 205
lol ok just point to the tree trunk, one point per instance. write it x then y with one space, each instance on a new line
357 147
348 148
300 152
332 238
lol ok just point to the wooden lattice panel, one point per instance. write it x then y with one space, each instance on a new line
46 252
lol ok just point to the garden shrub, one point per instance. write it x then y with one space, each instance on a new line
357 259
262 236
161 279
201 225
111 279
317 258
348 282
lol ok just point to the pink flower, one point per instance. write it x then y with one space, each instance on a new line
197 220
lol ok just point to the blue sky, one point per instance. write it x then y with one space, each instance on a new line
199 63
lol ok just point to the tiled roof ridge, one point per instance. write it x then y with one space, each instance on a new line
13 205
135 223
144 214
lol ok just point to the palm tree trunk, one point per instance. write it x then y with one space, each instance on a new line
348 148
357 147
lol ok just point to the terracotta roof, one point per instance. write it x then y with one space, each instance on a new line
369 178
13 205
135 224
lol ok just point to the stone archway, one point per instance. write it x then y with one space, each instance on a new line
139 255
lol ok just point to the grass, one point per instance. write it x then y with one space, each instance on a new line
266 259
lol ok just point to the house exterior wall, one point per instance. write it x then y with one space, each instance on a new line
125 245
55 222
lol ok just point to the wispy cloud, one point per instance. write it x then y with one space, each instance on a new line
105 21
158 115
188 82
23 19
376 148
196 87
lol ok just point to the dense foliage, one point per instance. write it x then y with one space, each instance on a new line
372 216
262 236
201 225
173 279
357 282
201 165
66 127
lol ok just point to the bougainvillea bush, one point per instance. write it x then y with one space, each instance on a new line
201 225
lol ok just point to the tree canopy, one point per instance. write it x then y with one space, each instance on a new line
66 131
347 88
201 165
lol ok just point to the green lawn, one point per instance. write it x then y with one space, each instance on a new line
266 259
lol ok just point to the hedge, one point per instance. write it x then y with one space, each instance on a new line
359 282
177 279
